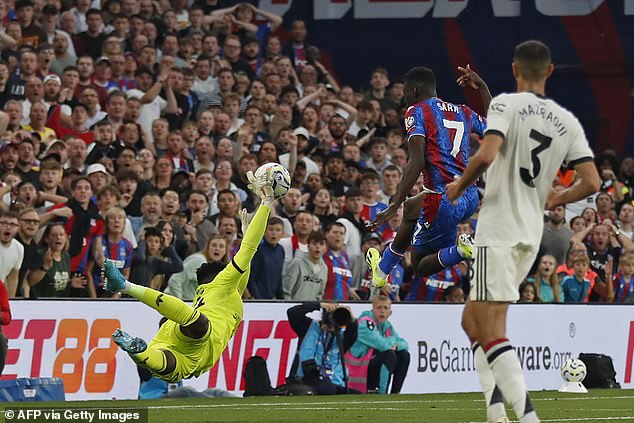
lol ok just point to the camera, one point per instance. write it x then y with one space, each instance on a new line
339 318
312 373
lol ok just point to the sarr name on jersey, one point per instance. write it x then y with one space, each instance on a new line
447 107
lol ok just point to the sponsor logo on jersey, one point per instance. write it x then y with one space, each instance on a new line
497 107
409 122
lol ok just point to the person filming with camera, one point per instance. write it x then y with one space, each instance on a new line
379 353
323 344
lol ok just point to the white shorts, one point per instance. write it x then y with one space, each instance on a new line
499 271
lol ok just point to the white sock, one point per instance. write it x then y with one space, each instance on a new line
380 273
492 395
510 380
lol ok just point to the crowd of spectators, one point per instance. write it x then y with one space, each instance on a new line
127 129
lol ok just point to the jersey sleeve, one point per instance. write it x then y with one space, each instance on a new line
415 122
579 150
499 116
478 123
128 255
100 227
401 343
53 120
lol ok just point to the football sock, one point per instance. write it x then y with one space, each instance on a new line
171 307
449 256
509 379
389 260
492 395
153 359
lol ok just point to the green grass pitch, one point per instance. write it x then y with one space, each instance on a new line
596 406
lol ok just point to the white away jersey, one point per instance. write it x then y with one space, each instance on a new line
539 135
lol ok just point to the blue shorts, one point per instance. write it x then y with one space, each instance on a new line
437 225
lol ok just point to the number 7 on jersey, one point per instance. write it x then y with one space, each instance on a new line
456 128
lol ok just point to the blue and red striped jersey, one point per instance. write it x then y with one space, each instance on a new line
119 252
446 128
387 232
97 228
395 280
369 211
433 288
623 288
339 276
235 246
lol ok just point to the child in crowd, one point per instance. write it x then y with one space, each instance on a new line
154 260
306 275
528 293
576 288
546 281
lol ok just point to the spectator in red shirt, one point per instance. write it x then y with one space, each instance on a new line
77 124
84 226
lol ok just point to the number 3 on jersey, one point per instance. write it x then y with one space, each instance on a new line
456 128
544 142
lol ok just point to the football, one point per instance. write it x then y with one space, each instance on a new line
279 177
574 370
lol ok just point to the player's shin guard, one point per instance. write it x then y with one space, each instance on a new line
449 256
390 259
171 307
151 359
509 378
492 395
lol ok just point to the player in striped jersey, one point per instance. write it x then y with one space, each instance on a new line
438 144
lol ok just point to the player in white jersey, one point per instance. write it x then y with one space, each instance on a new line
528 137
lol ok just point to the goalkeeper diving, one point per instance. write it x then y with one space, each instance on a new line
193 338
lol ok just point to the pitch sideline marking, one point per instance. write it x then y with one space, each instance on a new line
581 419
587 419
343 403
